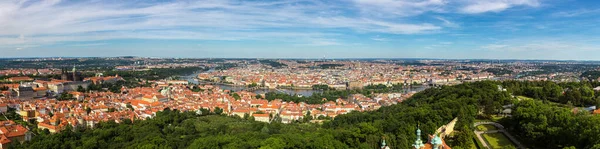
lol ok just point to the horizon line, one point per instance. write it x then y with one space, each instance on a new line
290 58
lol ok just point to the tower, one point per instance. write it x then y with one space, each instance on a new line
418 143
75 77
436 142
384 145
64 74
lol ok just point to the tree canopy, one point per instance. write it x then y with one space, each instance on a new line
535 122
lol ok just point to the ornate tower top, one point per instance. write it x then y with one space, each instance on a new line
437 141
418 143
384 145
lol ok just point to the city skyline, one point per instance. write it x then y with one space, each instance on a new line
485 29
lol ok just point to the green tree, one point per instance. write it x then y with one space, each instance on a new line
80 89
273 143
130 107
307 117
218 111
88 110
236 96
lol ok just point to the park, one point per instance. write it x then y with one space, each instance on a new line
492 135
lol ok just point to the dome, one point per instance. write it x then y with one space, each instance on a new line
436 140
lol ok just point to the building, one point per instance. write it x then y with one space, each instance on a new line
3 107
25 92
40 92
55 124
261 117
10 132
20 79
436 140
101 79
155 98
178 82
74 75
355 85
74 85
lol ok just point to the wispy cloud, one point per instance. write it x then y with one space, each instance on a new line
318 42
402 8
541 46
575 13
47 22
447 23
87 44
407 8
377 38
494 47
482 6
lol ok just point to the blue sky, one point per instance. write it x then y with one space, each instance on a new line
457 29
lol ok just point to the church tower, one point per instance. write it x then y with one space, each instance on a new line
75 77
418 143
63 75
384 145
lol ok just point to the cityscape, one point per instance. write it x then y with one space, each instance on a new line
387 74
71 95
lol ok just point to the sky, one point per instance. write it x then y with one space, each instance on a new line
447 29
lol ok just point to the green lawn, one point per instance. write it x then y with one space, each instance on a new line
497 140
476 144
486 127
473 146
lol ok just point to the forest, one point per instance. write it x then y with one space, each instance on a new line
331 94
543 125
570 93
591 75
330 66
155 74
535 122
272 63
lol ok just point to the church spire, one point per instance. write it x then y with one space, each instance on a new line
383 144
418 143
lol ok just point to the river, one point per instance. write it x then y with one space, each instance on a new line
303 92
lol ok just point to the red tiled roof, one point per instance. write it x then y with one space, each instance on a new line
4 140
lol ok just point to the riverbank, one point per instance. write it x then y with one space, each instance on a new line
303 91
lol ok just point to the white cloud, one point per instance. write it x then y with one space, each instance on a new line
377 38
52 21
88 44
324 43
494 46
447 22
408 8
482 6
575 13
318 42
403 8
541 46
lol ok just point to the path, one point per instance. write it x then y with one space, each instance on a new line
500 130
